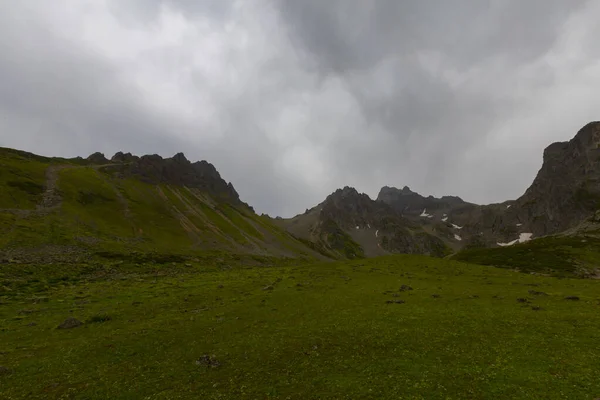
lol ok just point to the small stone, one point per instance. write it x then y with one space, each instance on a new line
522 300
571 298
536 293
4 370
268 287
404 288
70 323
220 286
536 308
208 361
436 296
31 324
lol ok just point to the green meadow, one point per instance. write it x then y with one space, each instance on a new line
396 327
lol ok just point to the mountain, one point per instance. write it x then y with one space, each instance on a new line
564 194
566 190
149 203
351 224
54 209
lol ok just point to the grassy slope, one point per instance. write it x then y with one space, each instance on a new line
100 212
318 331
556 255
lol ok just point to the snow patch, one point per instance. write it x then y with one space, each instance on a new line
376 232
523 237
424 214
508 244
457 237
508 206
369 225
357 227
519 224
444 219
456 226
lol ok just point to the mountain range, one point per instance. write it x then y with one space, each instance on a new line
74 207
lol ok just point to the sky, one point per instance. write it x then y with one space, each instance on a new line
292 99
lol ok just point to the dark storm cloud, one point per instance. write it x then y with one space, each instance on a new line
293 99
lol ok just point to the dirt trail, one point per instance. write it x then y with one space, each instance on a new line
51 199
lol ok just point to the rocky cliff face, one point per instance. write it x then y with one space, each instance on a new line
566 189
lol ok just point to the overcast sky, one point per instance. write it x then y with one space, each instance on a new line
292 99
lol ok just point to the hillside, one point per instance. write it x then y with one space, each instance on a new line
56 209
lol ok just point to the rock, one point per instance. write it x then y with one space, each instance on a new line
395 302
436 296
220 286
70 323
268 287
208 361
32 324
536 293
120 157
97 158
571 298
4 370
536 308
405 288
522 300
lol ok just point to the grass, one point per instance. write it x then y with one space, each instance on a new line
556 255
22 181
286 331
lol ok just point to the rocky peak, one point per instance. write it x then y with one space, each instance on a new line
180 158
567 187
121 157
97 158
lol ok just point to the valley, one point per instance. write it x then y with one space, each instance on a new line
149 277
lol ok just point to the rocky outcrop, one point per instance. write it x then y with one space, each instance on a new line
566 189
97 158
177 170
121 157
